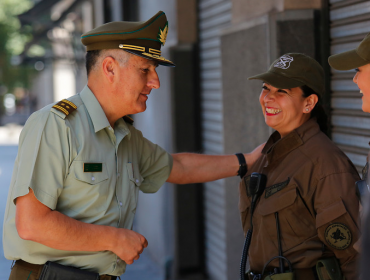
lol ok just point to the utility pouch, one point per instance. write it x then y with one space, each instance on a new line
329 269
55 271
281 276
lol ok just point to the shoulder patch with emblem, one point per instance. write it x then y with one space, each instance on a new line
128 120
65 106
275 188
338 236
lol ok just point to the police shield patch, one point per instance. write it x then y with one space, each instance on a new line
338 236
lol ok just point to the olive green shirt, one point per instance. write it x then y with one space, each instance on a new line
82 167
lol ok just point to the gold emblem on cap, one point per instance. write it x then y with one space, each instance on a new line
162 34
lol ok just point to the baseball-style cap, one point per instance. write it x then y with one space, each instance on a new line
140 38
354 58
294 70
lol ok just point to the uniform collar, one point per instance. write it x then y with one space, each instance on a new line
97 115
277 147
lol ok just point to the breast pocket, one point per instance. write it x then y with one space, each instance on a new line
87 190
90 177
296 222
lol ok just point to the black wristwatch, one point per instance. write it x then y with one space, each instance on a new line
243 168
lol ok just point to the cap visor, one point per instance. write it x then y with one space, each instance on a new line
347 60
163 61
276 80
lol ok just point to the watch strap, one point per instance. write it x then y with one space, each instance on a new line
243 168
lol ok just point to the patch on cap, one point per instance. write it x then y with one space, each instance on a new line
284 62
338 236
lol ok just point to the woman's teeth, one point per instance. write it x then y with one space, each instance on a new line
273 111
360 90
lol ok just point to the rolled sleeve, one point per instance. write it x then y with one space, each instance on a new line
155 166
42 158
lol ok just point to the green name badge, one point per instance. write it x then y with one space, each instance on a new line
93 167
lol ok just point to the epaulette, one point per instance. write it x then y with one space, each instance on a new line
65 106
128 120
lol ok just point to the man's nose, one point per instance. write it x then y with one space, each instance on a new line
153 81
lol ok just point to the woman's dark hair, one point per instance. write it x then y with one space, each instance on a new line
318 111
91 58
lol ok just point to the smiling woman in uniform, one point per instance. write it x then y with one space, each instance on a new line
307 209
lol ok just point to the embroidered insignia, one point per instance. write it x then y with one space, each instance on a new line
128 119
275 188
93 167
284 62
65 106
162 34
338 236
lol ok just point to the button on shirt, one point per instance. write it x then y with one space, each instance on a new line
55 156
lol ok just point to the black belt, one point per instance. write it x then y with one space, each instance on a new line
300 274
38 268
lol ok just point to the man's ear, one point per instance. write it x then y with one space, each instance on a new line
108 68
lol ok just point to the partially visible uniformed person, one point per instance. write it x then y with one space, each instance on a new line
81 164
359 59
307 209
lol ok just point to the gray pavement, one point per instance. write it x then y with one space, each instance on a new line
144 268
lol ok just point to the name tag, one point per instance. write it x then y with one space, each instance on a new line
275 188
93 167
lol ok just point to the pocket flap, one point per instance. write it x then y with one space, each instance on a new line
91 178
276 203
330 213
134 177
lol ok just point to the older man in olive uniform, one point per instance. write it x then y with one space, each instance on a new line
359 59
81 163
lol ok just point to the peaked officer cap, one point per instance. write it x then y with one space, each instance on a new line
140 38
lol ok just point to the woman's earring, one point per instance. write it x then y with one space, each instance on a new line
307 109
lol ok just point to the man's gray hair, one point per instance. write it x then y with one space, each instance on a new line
94 59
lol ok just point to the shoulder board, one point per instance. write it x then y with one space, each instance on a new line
65 106
128 120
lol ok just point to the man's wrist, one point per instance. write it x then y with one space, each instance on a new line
243 168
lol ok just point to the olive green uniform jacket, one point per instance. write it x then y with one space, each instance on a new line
311 184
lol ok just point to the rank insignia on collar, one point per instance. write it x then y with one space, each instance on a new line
162 34
65 106
338 236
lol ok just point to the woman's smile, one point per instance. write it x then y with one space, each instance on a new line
272 111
